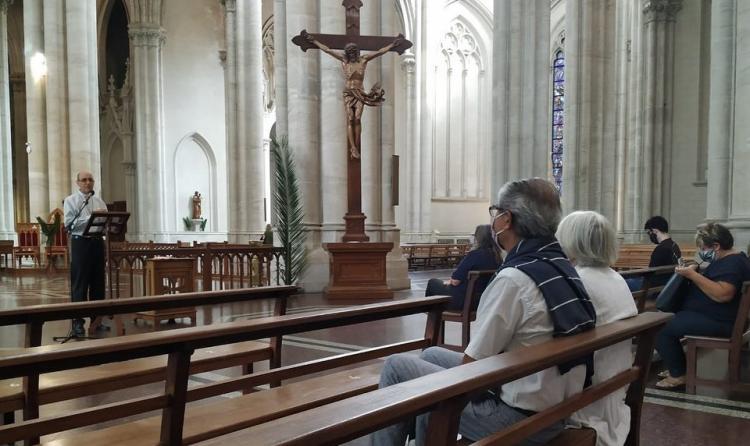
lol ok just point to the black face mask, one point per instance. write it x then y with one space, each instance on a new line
652 237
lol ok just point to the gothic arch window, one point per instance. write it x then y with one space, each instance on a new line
460 102
558 123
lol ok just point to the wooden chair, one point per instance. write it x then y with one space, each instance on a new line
467 315
6 250
740 336
59 246
28 243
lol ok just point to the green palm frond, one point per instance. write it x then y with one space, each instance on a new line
287 205
49 229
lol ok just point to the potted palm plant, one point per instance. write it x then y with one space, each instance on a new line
49 229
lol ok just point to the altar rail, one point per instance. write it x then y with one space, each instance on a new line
218 266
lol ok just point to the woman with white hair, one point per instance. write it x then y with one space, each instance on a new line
589 241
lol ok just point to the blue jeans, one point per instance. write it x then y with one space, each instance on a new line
634 283
686 323
480 418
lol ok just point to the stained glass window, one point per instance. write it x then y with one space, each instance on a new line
558 103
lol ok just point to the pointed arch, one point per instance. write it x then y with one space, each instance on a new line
200 175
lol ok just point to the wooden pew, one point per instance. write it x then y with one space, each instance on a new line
445 394
65 385
223 415
637 256
467 315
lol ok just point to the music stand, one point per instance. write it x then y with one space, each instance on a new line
101 224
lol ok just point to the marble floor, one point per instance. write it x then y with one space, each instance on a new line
711 417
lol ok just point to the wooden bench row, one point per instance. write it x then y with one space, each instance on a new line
221 416
439 255
446 393
638 256
28 394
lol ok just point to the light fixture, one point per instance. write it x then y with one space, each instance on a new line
38 66
28 148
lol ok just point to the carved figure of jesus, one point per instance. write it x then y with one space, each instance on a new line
355 96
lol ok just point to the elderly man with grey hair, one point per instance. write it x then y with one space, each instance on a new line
535 295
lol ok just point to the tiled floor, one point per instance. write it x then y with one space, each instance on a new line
669 417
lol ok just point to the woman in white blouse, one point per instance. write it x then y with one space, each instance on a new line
588 239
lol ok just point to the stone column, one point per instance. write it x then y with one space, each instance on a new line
7 217
411 171
245 126
521 103
39 199
589 160
333 148
82 89
721 108
279 65
397 269
654 177
147 40
371 127
304 130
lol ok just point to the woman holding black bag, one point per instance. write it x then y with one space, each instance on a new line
710 304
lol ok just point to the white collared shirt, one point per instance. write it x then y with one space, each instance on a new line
74 202
512 314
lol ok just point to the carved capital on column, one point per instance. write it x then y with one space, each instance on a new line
223 58
230 5
4 4
661 10
408 62
145 34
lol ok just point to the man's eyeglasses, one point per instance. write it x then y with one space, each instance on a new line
495 211
86 180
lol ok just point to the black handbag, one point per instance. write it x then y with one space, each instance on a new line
671 296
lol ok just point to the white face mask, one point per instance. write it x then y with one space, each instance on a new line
495 234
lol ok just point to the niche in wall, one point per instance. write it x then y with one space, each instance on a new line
195 170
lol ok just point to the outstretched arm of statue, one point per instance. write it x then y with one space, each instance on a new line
308 37
396 42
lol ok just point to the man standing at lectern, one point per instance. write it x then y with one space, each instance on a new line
86 253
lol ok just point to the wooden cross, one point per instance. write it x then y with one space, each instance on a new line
355 97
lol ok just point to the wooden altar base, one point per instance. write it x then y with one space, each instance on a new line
358 271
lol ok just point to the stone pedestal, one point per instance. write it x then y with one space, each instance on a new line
358 271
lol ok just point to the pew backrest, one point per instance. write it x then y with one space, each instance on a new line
446 393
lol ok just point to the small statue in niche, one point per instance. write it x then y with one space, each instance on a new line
196 205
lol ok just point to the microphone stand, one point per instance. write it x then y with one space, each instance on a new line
72 333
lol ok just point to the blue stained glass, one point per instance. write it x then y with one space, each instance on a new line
558 118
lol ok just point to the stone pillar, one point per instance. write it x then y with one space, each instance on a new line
653 174
371 127
146 42
279 65
333 148
397 269
7 217
304 131
721 108
410 168
521 103
245 126
589 160
36 121
82 89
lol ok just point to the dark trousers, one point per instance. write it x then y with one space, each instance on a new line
436 287
686 323
86 270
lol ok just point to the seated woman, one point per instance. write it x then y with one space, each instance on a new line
589 241
484 255
711 303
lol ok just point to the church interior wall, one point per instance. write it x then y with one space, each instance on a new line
740 204
194 103
690 121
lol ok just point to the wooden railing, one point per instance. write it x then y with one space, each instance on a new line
219 266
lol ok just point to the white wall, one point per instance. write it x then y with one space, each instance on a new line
194 104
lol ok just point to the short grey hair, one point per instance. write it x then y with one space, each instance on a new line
588 239
534 204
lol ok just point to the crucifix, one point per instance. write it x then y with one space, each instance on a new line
355 98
